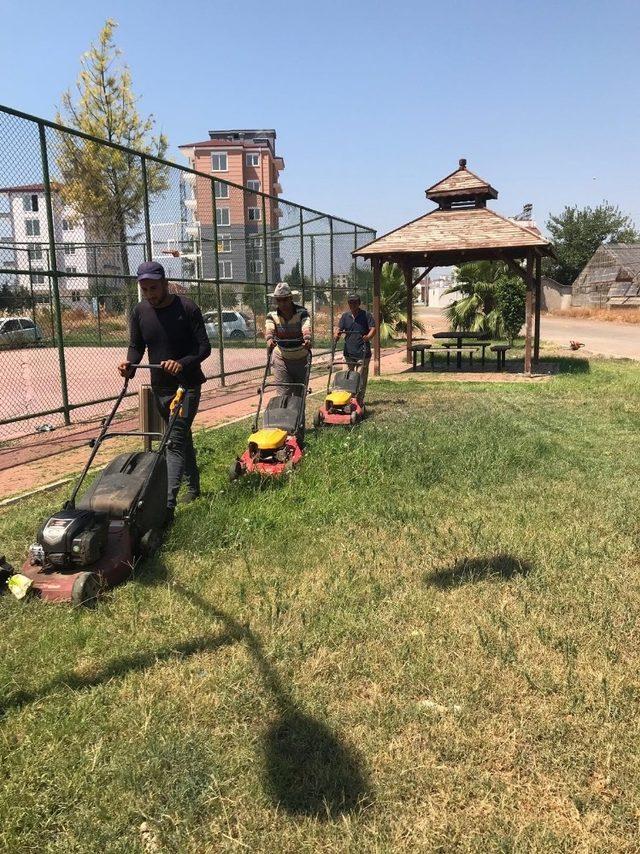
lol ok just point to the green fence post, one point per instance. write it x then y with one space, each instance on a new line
33 299
302 255
355 261
216 270
53 279
331 318
265 254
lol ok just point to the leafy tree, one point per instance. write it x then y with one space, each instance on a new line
104 185
476 310
294 281
393 303
510 300
577 233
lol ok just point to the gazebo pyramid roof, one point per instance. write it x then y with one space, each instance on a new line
461 185
460 229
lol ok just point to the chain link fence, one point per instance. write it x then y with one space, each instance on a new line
68 256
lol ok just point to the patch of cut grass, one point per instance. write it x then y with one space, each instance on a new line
424 639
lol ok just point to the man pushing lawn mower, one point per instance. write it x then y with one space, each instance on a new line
358 327
171 328
288 333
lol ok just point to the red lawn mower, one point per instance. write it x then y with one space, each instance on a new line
95 542
341 404
279 445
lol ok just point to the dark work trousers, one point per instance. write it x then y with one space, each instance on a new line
181 455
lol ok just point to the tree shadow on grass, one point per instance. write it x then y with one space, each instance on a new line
308 769
468 570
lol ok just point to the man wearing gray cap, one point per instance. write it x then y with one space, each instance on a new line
171 328
358 328
288 333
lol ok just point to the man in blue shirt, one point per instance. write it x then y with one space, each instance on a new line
358 328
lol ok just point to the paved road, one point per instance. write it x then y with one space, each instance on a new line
598 336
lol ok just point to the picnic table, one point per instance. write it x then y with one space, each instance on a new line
454 334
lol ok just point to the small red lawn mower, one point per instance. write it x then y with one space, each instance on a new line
341 404
95 543
279 445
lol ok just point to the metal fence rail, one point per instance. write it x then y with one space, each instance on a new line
67 266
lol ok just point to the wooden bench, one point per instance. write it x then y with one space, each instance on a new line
479 345
419 348
500 350
452 348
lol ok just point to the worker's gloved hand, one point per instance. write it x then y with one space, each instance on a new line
126 369
171 366
307 345
336 337
271 344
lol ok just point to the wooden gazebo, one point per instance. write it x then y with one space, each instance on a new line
460 229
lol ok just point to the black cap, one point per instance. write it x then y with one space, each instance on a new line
354 298
151 270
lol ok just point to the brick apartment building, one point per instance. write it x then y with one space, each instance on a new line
246 157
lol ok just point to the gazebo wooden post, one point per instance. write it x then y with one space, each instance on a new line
407 269
376 265
528 314
536 334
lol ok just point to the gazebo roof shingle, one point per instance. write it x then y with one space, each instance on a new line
468 229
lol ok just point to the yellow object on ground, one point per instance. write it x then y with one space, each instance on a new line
339 398
19 585
269 439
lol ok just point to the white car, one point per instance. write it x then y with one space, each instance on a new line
234 325
18 332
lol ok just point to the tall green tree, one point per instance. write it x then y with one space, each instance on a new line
577 233
104 185
491 299
393 304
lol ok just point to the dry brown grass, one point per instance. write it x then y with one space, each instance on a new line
612 315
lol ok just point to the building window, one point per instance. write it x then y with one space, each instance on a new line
33 227
219 162
255 266
224 243
37 279
221 190
68 224
252 159
226 269
254 186
255 243
69 249
35 252
76 296
30 203
222 216
253 214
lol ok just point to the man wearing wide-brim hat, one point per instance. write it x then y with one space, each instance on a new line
288 333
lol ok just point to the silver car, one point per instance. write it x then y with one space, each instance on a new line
18 332
234 325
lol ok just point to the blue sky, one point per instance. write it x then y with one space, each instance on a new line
372 101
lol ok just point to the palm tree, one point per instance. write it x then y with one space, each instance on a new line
477 309
393 304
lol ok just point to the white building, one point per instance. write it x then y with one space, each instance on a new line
24 243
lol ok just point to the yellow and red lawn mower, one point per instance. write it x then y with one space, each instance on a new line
341 404
279 444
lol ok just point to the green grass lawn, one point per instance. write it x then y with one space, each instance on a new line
425 639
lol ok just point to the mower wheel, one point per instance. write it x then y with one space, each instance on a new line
150 542
85 590
318 420
354 418
235 470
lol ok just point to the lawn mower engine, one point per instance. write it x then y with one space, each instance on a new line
70 539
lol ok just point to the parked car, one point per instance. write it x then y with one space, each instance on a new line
18 332
234 325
